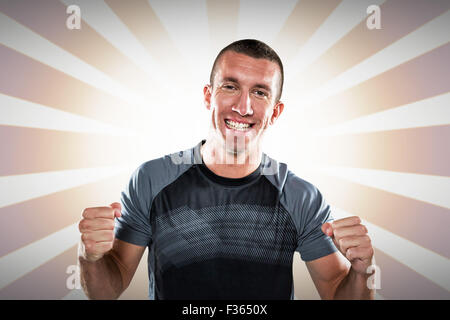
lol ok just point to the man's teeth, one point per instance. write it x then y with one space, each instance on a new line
237 125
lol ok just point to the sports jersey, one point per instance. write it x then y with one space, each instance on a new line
212 237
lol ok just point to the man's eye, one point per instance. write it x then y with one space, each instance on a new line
260 93
229 87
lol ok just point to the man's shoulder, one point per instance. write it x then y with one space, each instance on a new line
285 179
295 191
167 167
296 183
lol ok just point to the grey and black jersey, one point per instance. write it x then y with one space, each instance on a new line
211 237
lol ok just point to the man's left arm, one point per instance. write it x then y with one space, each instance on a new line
343 274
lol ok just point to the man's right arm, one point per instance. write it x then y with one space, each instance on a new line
107 265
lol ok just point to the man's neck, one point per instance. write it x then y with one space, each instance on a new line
227 164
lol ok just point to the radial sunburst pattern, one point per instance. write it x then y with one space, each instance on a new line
367 120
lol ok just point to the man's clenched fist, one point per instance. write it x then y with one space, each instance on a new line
351 239
97 230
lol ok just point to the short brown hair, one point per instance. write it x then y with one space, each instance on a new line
255 49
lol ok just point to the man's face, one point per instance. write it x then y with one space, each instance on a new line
243 99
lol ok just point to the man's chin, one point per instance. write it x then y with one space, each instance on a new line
238 147
236 151
238 143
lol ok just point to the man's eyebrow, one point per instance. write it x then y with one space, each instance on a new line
230 79
263 86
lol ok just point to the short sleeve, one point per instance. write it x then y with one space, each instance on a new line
134 224
312 242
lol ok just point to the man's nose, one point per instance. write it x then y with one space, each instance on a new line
243 106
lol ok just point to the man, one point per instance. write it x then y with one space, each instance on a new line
222 220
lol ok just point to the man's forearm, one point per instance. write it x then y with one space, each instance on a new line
100 279
354 286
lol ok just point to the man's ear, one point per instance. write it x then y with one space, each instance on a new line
277 110
207 91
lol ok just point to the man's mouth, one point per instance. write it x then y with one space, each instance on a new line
239 126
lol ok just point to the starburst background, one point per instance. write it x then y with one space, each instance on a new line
367 120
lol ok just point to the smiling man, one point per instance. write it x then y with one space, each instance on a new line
222 220
244 99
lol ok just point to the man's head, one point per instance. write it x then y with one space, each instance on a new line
243 94
255 49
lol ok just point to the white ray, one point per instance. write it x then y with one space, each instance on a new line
263 20
427 188
18 263
103 19
434 111
24 40
430 36
187 25
343 19
425 262
18 188
22 113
